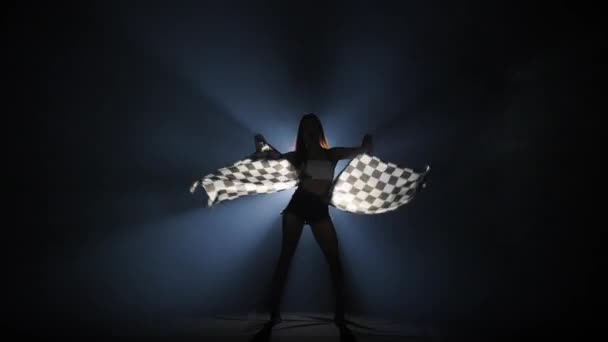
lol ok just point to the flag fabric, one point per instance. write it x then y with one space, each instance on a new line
367 185
248 177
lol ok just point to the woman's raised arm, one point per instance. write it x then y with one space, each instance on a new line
265 151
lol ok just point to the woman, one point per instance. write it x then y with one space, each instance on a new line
315 163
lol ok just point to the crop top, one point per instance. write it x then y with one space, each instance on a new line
318 169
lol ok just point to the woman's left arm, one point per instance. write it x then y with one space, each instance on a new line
338 153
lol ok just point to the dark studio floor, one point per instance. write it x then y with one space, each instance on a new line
296 326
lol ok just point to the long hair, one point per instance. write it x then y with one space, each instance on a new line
301 151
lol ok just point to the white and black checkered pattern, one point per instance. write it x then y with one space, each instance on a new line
249 176
368 185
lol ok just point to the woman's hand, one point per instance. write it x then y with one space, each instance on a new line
259 141
367 143
194 186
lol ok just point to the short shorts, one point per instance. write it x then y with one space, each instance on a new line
308 206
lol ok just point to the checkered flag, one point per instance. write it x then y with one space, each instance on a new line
368 185
252 175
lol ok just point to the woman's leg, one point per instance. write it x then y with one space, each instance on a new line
325 234
292 230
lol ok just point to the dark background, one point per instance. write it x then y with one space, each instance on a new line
125 105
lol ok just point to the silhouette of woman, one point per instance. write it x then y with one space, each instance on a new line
315 163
